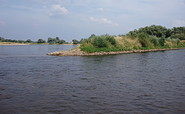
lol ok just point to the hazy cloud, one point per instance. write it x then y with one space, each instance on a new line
101 9
58 10
103 21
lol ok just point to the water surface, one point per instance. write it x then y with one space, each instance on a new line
32 82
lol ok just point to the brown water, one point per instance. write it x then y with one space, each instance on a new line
32 82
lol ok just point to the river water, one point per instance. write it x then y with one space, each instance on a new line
32 82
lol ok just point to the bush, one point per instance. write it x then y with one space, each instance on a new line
100 42
88 47
111 39
162 41
154 40
144 40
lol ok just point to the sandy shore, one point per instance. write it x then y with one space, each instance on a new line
14 44
78 52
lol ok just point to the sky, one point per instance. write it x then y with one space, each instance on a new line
76 19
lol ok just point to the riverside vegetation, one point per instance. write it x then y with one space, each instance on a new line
150 37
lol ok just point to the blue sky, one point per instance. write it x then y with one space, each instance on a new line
76 19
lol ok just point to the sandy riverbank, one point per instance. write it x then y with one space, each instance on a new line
78 52
10 43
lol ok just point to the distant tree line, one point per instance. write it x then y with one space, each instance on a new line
56 41
50 40
16 41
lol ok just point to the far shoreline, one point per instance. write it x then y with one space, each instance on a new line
12 44
17 44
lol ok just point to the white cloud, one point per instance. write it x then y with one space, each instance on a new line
178 23
101 9
103 21
58 10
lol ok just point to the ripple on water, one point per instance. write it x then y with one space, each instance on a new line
128 83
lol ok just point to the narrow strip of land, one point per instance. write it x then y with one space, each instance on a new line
78 52
10 43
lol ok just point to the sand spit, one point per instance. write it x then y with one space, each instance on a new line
78 52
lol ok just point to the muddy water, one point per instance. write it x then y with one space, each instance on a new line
32 82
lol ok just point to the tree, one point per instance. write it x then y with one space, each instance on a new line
178 32
75 41
61 41
29 41
2 39
100 42
92 35
57 38
55 41
153 30
52 40
41 41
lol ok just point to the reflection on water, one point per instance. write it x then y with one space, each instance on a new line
32 82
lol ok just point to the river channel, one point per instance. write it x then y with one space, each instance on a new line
32 82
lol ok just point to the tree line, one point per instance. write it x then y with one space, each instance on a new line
50 40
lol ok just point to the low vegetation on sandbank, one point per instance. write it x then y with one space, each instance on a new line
107 43
147 38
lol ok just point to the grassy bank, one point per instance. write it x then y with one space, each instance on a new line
107 43
149 37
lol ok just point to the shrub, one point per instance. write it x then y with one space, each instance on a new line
111 39
100 42
154 40
144 40
162 41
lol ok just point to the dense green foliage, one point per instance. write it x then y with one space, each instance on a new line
41 41
150 37
99 43
55 41
16 41
160 31
75 41
178 32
